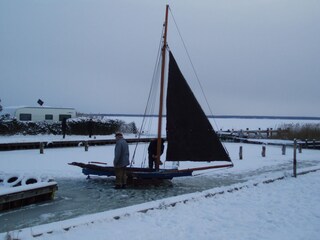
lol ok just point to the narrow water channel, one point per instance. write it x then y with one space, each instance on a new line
77 197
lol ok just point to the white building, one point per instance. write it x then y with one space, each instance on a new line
36 114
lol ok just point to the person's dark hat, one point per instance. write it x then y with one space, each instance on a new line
118 134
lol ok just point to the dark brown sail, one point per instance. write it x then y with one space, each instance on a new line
190 135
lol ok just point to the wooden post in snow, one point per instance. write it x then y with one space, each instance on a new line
86 146
283 149
295 158
240 153
300 148
263 152
41 147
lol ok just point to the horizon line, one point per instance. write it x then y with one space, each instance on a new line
209 116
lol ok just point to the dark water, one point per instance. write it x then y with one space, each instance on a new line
77 197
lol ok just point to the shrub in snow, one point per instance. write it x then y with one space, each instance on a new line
300 131
76 126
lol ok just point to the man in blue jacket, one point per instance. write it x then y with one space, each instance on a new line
121 161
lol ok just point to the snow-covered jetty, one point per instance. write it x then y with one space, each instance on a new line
20 190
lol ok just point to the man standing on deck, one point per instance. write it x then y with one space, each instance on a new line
152 151
121 161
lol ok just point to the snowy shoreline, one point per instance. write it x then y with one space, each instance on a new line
157 211
260 212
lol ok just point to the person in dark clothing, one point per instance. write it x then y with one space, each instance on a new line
121 161
64 127
152 151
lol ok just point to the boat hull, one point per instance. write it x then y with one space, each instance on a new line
133 172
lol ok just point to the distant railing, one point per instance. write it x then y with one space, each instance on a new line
251 133
243 135
60 144
228 136
311 144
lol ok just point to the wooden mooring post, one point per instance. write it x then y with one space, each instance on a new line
41 147
300 148
295 158
283 149
240 153
263 152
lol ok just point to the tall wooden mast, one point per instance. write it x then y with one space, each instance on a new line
163 64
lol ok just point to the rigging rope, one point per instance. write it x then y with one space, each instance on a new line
193 68
151 102
150 106
195 73
208 171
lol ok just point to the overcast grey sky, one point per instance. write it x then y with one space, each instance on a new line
253 57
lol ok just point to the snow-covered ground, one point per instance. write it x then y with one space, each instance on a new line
284 209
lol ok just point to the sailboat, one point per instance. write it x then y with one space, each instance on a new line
190 136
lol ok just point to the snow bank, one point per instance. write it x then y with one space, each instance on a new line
286 209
